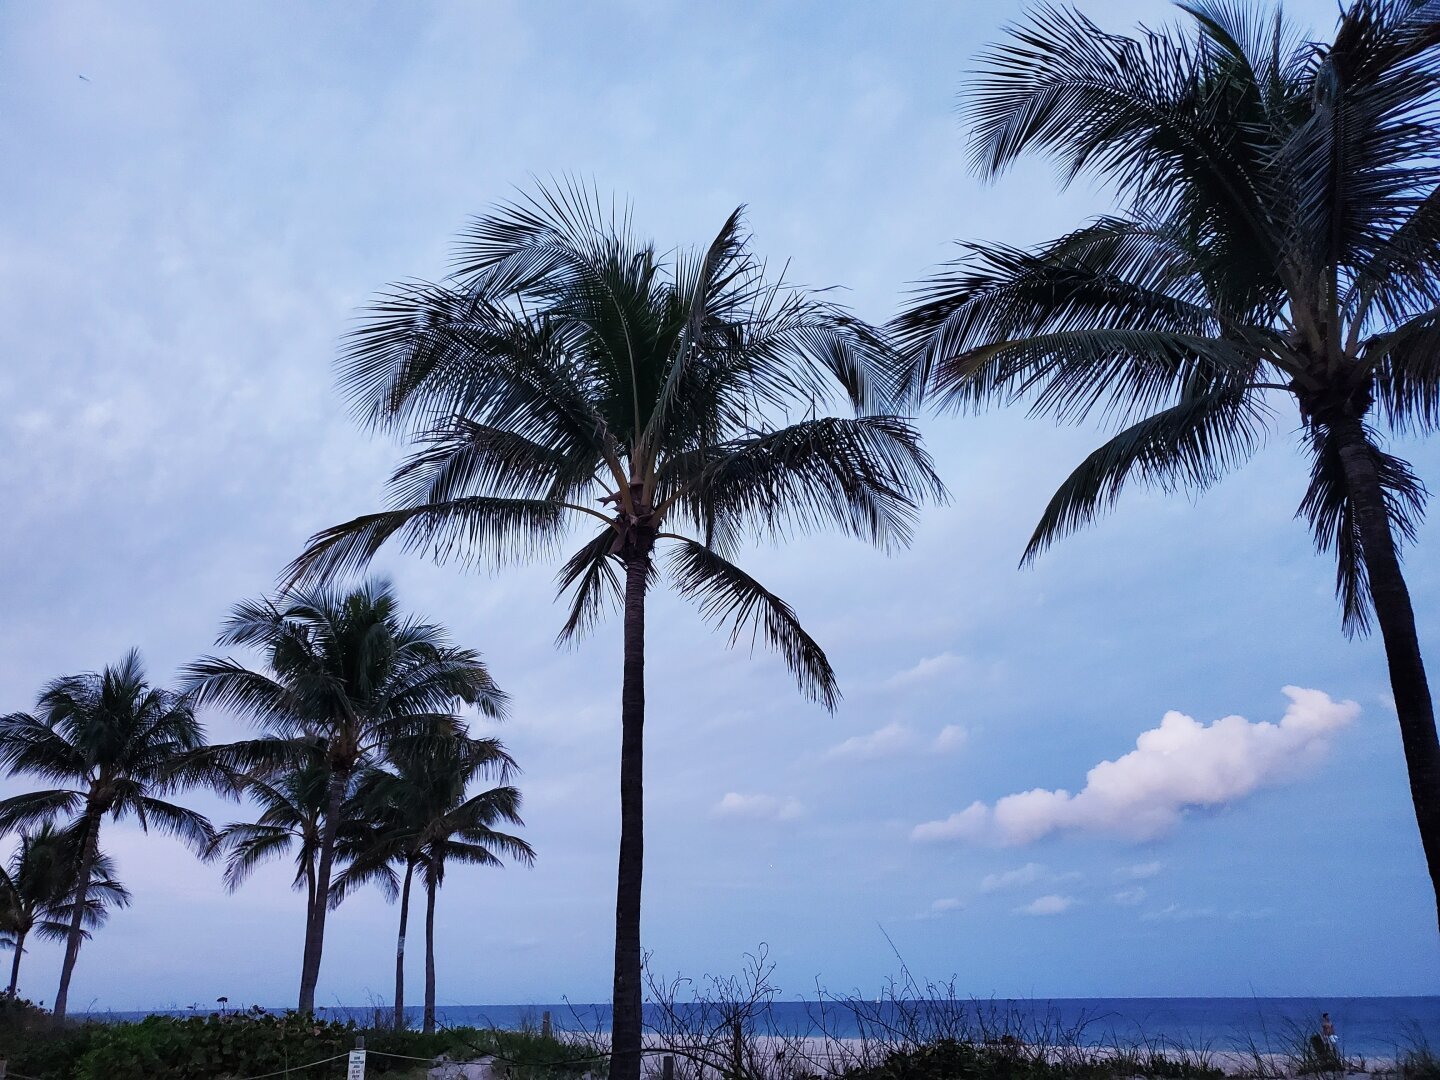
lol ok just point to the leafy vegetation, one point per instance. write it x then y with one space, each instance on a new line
952 1059
254 1043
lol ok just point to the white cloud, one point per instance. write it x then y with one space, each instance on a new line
1047 905
951 738
1140 871
938 909
968 824
1130 897
758 807
894 738
1176 913
928 668
1180 764
1022 875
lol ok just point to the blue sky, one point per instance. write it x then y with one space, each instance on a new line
186 232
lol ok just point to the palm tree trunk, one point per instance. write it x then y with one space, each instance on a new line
88 850
315 928
309 892
400 947
15 964
625 1025
429 1023
1396 617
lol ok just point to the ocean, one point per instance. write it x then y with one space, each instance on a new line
1370 1027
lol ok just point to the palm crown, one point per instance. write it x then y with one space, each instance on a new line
1280 236
37 891
567 371
419 816
115 744
292 811
347 677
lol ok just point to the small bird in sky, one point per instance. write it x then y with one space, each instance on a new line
86 78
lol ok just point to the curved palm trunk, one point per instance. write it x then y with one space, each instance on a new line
1396 617
15 964
88 851
400 947
626 1019
315 925
429 1023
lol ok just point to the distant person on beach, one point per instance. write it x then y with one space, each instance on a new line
1327 1031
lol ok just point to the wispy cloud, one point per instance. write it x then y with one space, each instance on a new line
930 667
1028 874
1180 764
1178 913
896 739
758 807
892 739
1052 904
1140 871
952 737
1130 897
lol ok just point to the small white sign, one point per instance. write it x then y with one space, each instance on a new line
357 1066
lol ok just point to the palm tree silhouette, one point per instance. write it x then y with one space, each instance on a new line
347 675
292 815
36 892
1278 244
568 375
118 744
422 818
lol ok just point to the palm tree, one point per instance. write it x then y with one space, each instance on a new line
117 744
423 819
1279 243
568 366
36 892
347 670
292 814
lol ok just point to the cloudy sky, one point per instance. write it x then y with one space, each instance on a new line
1150 765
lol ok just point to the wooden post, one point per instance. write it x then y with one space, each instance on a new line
356 1070
544 1025
667 1068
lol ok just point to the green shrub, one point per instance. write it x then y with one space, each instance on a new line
951 1059
208 1047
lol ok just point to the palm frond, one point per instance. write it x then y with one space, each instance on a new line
471 529
865 475
1328 510
726 594
1190 445
188 826
592 574
37 807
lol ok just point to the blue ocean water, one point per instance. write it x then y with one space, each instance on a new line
1367 1026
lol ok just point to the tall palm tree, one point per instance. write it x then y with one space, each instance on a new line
36 893
347 670
117 744
568 374
1279 244
292 814
419 815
